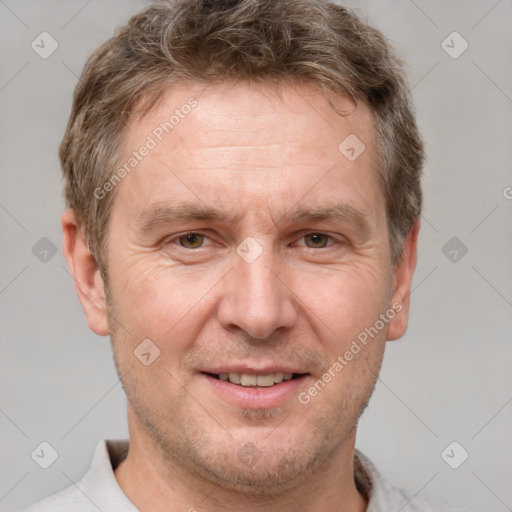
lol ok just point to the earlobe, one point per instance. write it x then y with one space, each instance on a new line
402 281
89 284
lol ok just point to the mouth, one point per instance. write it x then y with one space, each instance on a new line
253 380
251 387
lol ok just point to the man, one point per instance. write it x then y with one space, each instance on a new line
243 191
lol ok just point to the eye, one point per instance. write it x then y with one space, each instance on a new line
317 240
191 240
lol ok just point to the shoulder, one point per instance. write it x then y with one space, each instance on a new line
97 490
416 503
382 496
68 499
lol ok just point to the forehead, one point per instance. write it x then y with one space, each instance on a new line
254 114
239 147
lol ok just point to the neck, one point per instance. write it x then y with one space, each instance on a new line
155 483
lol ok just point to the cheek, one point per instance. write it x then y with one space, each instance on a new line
167 309
171 306
161 304
345 302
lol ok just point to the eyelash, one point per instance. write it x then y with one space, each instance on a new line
176 239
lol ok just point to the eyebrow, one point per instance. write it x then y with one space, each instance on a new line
160 215
337 212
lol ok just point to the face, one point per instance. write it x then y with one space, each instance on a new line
247 247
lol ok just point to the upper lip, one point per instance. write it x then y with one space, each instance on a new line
264 370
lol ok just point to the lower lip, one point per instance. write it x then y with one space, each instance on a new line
256 397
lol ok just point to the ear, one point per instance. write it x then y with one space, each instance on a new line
402 280
89 285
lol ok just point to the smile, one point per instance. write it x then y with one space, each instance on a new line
255 380
254 390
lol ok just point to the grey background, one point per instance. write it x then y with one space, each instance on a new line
447 380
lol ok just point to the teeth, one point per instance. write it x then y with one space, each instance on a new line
234 378
265 380
250 380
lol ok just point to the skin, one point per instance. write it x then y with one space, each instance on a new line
255 156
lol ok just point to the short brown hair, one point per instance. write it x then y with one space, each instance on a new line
211 41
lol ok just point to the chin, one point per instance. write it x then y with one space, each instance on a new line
272 475
266 465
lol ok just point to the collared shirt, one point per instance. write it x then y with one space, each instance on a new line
99 490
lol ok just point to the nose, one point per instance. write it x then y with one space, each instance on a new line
255 299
